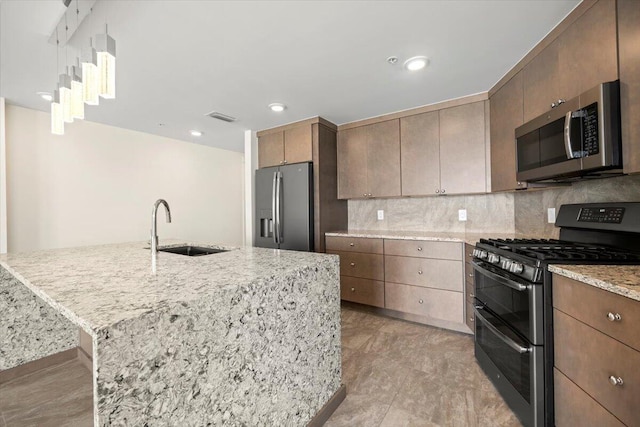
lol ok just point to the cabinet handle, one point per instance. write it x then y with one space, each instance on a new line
437 191
471 319
353 289
614 317
351 244
420 248
471 295
442 191
615 380
419 271
353 264
470 274
420 301
365 194
285 162
370 195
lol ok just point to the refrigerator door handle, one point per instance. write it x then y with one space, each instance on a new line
274 207
278 205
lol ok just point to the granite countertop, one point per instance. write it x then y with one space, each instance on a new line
98 286
470 238
620 279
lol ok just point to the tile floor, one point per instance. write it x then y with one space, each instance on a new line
404 374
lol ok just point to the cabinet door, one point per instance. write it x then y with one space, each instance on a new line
383 159
420 154
352 163
298 145
540 82
271 150
506 115
462 149
629 56
588 51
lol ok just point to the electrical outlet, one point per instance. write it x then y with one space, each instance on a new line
551 215
380 215
462 214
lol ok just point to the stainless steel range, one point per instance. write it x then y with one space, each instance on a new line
513 300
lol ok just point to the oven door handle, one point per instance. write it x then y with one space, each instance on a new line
500 279
508 341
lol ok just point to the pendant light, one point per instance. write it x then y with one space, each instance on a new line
90 75
64 87
77 89
106 50
57 119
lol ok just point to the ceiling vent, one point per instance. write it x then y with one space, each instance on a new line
220 116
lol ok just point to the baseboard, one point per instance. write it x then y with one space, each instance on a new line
329 408
36 365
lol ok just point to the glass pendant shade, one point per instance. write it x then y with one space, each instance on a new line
64 87
106 49
77 89
90 76
57 119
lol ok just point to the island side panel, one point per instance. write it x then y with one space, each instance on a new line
263 354
30 328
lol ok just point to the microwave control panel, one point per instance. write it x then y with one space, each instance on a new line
590 143
607 215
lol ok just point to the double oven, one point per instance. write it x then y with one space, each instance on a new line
514 295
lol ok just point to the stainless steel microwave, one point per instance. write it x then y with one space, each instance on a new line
576 138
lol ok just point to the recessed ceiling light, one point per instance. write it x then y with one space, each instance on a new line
277 107
416 63
46 96
196 133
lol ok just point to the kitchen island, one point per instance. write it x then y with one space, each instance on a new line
250 336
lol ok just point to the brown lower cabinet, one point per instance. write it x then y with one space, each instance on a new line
469 288
421 281
588 359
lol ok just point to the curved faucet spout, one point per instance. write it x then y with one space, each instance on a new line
154 228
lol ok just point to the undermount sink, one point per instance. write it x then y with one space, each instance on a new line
192 250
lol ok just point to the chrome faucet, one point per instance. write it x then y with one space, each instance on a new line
154 227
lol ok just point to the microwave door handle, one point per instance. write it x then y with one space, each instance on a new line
567 135
508 341
500 279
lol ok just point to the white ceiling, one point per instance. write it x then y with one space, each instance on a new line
178 60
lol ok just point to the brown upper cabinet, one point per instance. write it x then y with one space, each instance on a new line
581 57
629 60
369 161
444 151
292 145
506 116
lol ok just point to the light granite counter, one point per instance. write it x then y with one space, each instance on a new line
620 279
246 337
470 238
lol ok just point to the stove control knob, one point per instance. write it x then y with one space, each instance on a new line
482 254
505 264
516 267
493 258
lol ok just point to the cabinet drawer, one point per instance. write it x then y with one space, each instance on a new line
468 252
433 303
591 359
468 274
470 317
363 291
354 244
424 249
356 264
432 273
574 407
592 306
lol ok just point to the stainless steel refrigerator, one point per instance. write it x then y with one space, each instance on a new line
284 207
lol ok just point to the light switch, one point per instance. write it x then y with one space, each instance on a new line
462 214
380 215
551 215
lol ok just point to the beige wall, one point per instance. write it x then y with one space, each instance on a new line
97 184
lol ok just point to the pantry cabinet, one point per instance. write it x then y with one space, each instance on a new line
629 60
369 161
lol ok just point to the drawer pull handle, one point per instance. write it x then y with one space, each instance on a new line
420 248
351 244
353 264
353 289
471 319
615 380
614 317
470 274
420 301
419 271
471 295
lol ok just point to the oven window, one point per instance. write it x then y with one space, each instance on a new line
508 303
515 366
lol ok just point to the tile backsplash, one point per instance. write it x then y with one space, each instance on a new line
522 212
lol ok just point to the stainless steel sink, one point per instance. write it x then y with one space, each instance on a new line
192 250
